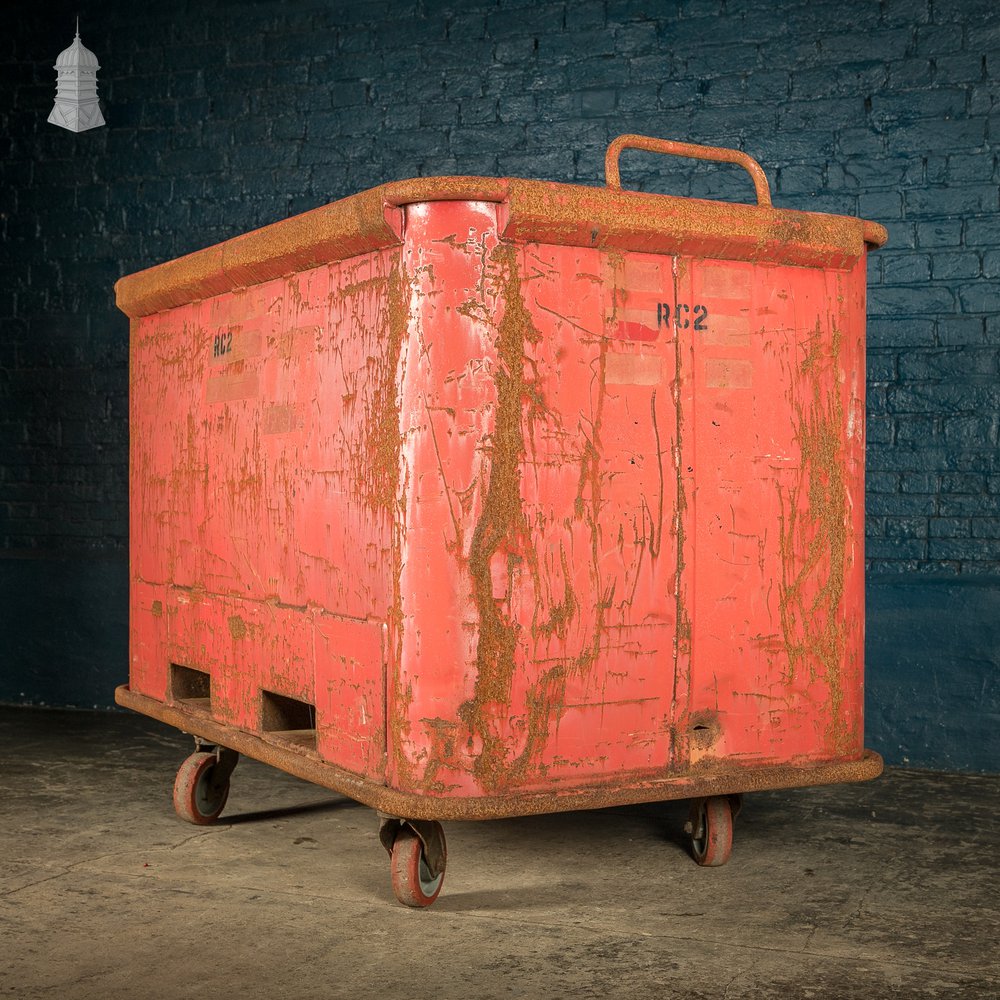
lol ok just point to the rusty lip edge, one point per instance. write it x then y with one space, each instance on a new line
653 223
695 783
360 223
874 234
538 211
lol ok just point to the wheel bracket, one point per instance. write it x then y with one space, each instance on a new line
226 760
428 832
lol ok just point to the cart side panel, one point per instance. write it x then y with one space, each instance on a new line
148 639
246 647
351 664
447 392
777 514
539 567
264 462
670 572
594 594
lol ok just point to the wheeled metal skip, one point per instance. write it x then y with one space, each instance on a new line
472 498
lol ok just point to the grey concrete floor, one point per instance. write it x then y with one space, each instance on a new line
877 890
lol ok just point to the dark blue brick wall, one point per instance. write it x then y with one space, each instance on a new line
226 116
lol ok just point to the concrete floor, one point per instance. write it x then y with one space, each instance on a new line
885 889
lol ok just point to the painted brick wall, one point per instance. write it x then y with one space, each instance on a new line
226 116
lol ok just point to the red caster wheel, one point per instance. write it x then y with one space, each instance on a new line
202 785
418 873
711 829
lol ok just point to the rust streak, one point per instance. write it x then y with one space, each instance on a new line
813 529
562 613
501 523
656 534
566 319
682 635
444 479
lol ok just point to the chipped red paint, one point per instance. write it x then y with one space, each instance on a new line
636 331
511 513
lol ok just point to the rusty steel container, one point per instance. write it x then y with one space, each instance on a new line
474 497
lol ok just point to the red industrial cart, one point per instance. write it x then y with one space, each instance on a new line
472 498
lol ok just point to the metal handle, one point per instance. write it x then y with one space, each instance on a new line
668 146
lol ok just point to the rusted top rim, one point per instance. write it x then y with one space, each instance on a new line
531 211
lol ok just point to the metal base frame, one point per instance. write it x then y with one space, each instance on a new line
704 780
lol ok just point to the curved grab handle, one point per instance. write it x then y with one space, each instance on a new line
716 153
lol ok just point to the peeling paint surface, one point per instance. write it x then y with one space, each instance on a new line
778 606
538 610
507 517
262 513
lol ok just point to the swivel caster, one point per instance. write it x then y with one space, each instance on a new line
711 829
418 855
202 785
